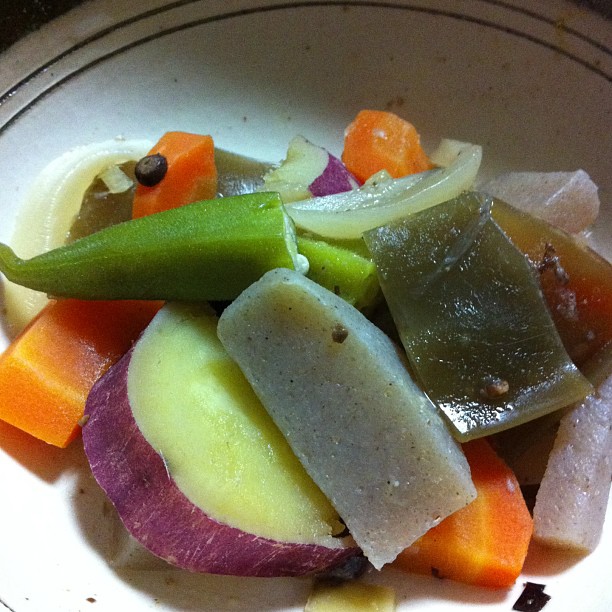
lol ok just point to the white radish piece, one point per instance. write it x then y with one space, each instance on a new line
339 391
568 200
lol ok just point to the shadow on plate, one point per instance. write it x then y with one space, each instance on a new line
548 561
167 587
174 589
41 459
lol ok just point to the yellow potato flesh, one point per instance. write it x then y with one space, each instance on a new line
194 406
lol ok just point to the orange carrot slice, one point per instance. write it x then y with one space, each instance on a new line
380 140
484 543
191 174
48 370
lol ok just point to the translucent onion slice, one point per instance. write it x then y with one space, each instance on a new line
116 180
54 200
378 202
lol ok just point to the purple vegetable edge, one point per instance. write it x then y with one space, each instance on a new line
134 477
334 179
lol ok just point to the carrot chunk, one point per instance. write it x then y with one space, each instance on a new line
191 174
484 543
48 370
380 140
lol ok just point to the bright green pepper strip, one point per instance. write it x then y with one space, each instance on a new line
210 250
341 268
471 316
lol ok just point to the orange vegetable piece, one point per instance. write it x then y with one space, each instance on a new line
48 370
191 174
484 543
380 140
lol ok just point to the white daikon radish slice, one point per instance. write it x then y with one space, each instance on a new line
571 503
568 200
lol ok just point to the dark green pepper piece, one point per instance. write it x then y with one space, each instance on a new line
101 207
210 250
471 316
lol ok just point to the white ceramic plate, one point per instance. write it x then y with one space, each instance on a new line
531 82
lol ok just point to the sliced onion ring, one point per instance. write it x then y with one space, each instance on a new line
349 214
46 214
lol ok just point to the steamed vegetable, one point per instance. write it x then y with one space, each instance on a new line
336 387
103 204
190 173
351 597
380 140
573 496
576 281
47 372
197 470
201 474
382 200
307 171
471 317
52 203
210 250
567 200
237 174
484 543
343 267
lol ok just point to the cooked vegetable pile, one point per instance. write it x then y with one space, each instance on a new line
287 370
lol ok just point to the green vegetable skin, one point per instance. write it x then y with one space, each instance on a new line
210 250
494 332
343 267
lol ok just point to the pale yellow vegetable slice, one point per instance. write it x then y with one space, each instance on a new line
351 597
194 406
339 391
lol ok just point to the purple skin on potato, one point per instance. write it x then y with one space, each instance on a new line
334 179
157 513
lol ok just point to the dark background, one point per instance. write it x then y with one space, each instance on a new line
17 17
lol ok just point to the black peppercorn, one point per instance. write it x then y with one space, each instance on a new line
151 169
532 599
339 333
